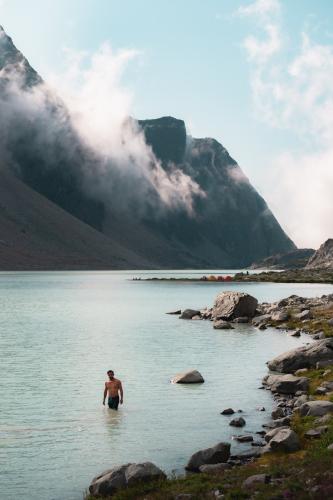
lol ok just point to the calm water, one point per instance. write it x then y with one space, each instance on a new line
60 332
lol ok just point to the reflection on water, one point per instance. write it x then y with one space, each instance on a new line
61 332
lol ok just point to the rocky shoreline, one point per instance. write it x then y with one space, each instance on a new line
301 382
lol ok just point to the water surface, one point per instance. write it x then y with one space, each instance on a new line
61 331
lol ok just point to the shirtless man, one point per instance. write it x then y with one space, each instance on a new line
113 388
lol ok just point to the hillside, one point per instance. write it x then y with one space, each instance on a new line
37 234
323 257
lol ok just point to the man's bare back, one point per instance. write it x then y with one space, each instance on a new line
113 388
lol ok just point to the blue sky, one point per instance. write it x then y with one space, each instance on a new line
194 64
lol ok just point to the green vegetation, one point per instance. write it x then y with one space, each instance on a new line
318 322
306 474
289 276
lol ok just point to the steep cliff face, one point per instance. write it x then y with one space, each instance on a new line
230 224
323 257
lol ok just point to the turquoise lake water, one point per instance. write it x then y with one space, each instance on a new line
61 331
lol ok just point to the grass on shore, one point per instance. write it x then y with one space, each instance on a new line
305 474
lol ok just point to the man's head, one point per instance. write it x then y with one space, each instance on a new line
110 374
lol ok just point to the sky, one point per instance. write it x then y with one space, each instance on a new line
256 75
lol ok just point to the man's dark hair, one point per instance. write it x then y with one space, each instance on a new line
110 371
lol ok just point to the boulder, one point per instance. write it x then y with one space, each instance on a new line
324 364
303 357
285 440
111 481
278 413
175 312
228 411
222 325
330 447
189 314
256 479
144 472
189 377
215 455
238 422
296 333
304 315
270 434
280 316
231 305
241 319
316 408
244 439
286 384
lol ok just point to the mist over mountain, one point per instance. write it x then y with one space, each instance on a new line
168 199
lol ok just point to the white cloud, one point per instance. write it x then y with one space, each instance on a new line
296 96
260 8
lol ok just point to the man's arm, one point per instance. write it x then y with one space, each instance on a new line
121 393
105 393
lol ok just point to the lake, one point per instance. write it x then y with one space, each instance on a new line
59 334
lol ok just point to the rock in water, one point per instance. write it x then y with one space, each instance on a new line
189 377
222 325
238 422
117 478
189 314
303 357
215 455
231 305
286 384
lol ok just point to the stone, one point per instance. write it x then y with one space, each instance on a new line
111 481
301 371
330 447
319 336
323 364
286 384
301 400
278 413
228 411
312 434
261 408
325 419
214 468
189 377
328 384
244 439
256 479
270 434
280 316
285 440
241 319
263 318
280 422
215 455
316 408
222 325
296 333
321 391
175 312
231 305
304 315
262 326
330 322
238 422
189 314
303 357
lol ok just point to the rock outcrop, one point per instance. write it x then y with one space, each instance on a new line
286 384
323 257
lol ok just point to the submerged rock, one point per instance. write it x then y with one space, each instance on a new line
238 422
228 411
188 377
231 305
215 455
222 325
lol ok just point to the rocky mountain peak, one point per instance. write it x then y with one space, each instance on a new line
323 257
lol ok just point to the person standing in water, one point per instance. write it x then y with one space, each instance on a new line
113 388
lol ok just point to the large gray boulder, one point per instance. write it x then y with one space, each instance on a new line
188 377
316 408
303 357
111 481
216 455
231 305
189 314
286 384
285 440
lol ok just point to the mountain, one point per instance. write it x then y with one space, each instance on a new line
323 257
37 234
229 224
296 259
